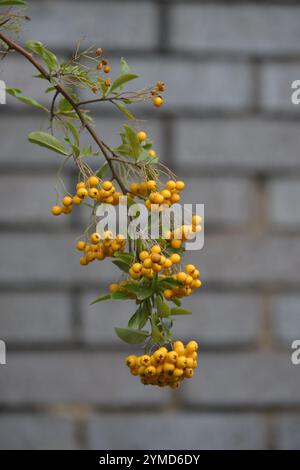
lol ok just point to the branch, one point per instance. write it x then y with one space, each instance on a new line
60 89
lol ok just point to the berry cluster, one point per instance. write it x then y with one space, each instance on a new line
189 280
152 262
100 247
165 368
95 189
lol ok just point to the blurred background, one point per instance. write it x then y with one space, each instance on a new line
228 128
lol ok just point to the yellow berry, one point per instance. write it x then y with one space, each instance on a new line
93 181
168 264
131 361
192 346
76 200
188 279
181 362
145 360
152 153
151 185
80 245
82 193
143 255
114 288
188 372
56 210
168 368
171 185
168 293
178 345
83 261
189 362
147 263
157 101
190 268
181 277
156 249
106 69
180 185
95 237
67 201
166 193
137 267
196 219
175 258
150 371
175 198
172 357
107 185
178 372
176 244
142 136
93 192
79 185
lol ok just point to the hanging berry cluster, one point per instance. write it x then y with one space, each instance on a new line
150 269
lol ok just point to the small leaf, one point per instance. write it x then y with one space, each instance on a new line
180 311
132 336
48 141
121 80
74 131
101 298
138 319
102 171
144 293
48 57
162 308
125 69
121 265
124 110
12 2
120 295
17 93
133 141
176 301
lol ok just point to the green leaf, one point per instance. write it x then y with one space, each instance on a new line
120 295
124 110
121 80
101 298
12 2
144 293
103 170
17 93
48 141
48 57
180 311
74 131
121 265
129 335
133 140
125 69
138 319
176 301
163 309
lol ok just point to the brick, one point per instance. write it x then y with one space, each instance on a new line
205 431
283 202
30 199
276 91
35 317
228 201
248 29
135 22
258 379
99 320
249 260
220 319
287 431
17 72
224 85
73 377
35 432
248 145
15 148
49 258
286 318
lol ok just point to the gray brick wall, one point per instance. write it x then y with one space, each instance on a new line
229 129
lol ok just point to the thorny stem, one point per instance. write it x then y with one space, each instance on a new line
60 89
